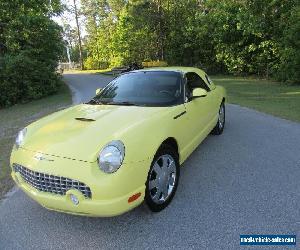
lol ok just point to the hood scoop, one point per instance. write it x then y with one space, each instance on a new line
84 119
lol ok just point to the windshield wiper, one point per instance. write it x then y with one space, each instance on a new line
97 102
122 103
94 101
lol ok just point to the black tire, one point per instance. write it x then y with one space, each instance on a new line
163 150
218 129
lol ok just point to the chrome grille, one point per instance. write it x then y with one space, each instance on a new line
51 183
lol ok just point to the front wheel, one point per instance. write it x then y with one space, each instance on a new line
218 129
162 179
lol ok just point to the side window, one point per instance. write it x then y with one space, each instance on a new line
195 81
208 79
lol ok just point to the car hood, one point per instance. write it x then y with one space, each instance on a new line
81 131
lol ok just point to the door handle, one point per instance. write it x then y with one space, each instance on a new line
181 114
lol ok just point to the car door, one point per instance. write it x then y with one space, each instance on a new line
199 110
214 97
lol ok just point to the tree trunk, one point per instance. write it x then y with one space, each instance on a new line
160 33
79 36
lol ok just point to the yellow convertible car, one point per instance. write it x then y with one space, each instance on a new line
123 147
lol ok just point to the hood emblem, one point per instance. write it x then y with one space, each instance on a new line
40 157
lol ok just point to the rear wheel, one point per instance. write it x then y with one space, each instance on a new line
218 129
162 179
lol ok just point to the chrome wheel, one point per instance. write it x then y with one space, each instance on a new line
221 116
162 179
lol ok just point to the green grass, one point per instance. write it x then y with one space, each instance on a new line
17 117
278 99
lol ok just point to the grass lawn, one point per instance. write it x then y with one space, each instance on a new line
279 99
17 117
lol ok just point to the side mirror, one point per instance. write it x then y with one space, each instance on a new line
98 91
199 92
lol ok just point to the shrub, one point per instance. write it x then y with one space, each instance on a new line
91 63
155 64
23 78
30 47
116 61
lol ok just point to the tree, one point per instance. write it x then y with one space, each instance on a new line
289 65
71 52
241 37
79 35
32 45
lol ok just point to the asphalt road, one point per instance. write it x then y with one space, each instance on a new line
244 181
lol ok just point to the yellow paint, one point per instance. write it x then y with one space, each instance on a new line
72 146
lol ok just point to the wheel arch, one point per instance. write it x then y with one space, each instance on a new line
171 141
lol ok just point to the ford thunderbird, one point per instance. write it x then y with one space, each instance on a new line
123 147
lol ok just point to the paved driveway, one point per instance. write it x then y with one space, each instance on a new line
244 181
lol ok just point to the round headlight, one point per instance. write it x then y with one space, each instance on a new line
20 137
111 156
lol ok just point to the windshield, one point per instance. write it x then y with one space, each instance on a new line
144 88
